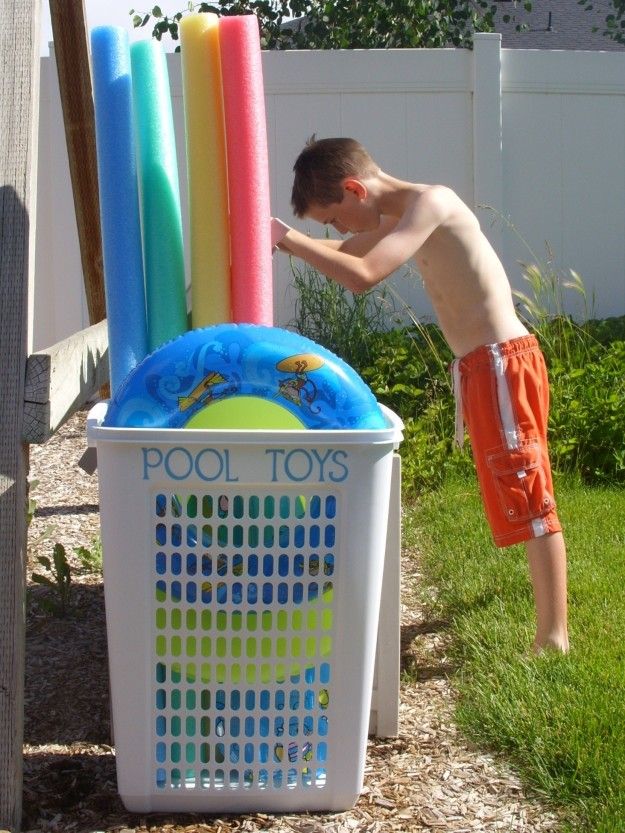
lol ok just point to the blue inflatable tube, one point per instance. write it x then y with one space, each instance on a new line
244 376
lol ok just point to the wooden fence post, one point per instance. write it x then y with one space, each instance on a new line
71 54
19 109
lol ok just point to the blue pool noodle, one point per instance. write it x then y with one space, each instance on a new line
159 194
119 201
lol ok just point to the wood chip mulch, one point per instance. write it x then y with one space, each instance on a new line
426 779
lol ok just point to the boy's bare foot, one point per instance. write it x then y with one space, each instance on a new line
551 643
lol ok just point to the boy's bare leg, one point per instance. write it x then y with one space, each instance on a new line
547 562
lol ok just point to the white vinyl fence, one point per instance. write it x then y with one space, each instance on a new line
537 136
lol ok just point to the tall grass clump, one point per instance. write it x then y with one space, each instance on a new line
587 383
336 318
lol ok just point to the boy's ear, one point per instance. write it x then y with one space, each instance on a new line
356 187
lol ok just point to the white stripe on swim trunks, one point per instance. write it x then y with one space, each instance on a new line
457 389
503 398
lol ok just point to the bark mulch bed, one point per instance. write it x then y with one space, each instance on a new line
427 779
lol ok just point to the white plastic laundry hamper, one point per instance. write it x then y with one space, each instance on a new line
242 574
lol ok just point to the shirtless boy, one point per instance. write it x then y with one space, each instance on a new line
499 373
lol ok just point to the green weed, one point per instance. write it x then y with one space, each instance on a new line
90 557
58 575
57 579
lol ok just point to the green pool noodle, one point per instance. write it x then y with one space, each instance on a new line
159 194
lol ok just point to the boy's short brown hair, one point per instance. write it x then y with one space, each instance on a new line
321 168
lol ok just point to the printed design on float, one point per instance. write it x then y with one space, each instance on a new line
300 388
244 376
202 393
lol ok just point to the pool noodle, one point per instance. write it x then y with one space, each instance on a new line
119 202
248 170
206 170
159 194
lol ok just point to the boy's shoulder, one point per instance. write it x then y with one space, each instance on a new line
432 201
434 194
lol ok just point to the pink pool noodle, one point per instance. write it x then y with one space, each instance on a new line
248 170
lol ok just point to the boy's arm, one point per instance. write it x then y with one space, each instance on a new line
361 244
357 244
362 261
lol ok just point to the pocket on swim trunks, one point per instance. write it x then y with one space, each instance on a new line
520 481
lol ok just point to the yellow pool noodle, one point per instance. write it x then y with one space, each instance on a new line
206 170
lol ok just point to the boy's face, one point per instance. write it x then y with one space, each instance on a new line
352 215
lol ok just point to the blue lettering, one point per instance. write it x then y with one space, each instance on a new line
215 458
152 459
274 461
209 464
340 476
306 459
220 462
301 464
186 460
322 461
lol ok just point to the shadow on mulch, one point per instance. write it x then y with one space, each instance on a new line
66 696
68 765
70 791
416 660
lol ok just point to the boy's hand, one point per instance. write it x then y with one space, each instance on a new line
278 231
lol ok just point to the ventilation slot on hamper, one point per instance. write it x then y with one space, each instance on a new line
244 613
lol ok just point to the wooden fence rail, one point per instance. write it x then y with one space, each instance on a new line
60 379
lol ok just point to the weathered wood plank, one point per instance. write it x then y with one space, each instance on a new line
60 379
71 53
19 112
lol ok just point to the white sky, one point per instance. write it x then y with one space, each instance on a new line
114 13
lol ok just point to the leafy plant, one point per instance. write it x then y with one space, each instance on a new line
343 24
614 20
90 557
58 575
58 579
587 415
561 337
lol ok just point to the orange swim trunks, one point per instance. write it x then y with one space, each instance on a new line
502 392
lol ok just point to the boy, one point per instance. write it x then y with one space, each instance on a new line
499 374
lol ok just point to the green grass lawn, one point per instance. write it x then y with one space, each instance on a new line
559 719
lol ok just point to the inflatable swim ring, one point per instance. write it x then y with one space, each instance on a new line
244 376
